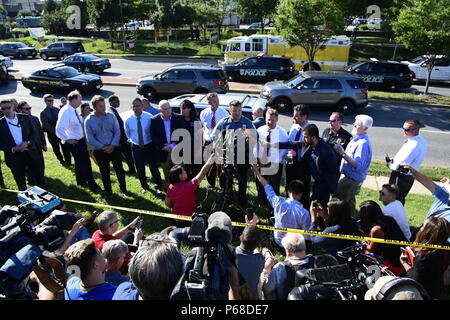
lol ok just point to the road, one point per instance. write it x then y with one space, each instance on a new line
386 135
133 68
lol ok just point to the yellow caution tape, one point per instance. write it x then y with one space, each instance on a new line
270 228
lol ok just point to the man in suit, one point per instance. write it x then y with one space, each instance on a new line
49 117
41 143
69 129
125 147
16 135
258 117
162 127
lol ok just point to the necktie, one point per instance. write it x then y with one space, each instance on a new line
268 141
297 137
140 134
213 120
79 120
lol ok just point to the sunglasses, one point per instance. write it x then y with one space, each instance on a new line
382 193
6 108
50 100
26 109
410 129
332 121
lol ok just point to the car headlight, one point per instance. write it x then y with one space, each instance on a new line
267 92
84 83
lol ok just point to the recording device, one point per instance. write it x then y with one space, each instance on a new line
387 158
403 169
207 266
315 203
250 213
138 224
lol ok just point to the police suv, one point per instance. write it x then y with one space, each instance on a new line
260 68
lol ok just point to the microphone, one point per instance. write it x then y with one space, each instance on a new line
219 228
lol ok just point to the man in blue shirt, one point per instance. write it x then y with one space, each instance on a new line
89 283
355 160
233 130
103 134
289 213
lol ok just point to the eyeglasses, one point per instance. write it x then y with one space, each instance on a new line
6 108
382 193
332 121
410 129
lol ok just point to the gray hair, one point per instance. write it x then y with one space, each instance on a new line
105 219
365 120
113 250
156 268
162 103
258 110
294 242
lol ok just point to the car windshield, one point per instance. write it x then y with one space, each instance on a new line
354 66
68 72
91 57
293 82
418 59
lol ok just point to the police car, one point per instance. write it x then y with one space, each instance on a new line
260 68
61 78
86 62
377 74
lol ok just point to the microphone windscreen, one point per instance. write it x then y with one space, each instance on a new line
219 228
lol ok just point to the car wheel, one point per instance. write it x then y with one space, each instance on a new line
346 106
393 86
148 93
44 56
200 91
282 104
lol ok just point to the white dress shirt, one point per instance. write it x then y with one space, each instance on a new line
68 125
412 152
206 116
15 129
397 211
278 135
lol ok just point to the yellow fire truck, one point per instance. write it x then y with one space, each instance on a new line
334 55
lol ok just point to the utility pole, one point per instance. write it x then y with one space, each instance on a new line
122 26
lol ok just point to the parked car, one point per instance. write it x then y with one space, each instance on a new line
184 78
61 49
86 62
255 25
7 61
385 75
260 68
249 102
17 50
61 78
3 73
440 72
342 91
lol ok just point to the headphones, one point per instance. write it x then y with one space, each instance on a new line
389 286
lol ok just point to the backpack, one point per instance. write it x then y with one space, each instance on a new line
291 270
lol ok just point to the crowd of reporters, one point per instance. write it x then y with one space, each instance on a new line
323 175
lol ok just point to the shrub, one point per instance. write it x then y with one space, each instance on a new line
17 32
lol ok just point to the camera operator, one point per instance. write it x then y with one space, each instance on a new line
91 284
108 224
239 126
280 278
154 270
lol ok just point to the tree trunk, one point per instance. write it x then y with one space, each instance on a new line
428 79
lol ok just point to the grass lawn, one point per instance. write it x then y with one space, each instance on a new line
420 98
378 168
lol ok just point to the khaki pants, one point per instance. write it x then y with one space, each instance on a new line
166 166
346 191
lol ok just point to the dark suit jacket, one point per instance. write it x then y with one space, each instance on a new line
40 137
158 134
7 141
123 136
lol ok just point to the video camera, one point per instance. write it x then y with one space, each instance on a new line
207 266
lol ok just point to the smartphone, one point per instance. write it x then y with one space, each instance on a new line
403 170
315 204
139 223
250 214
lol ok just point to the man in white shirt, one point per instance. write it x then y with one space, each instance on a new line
69 128
394 208
269 156
210 117
412 152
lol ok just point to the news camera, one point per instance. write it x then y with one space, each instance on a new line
207 267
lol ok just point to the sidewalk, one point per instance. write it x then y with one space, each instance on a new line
375 183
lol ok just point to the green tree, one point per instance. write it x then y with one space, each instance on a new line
55 22
424 27
24 13
170 13
259 10
51 6
308 23
205 14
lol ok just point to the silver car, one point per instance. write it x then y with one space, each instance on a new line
249 102
341 91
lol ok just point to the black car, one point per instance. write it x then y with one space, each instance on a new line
61 49
61 79
260 69
389 75
3 73
17 50
86 62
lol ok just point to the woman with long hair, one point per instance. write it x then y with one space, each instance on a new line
193 125
428 265
377 225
